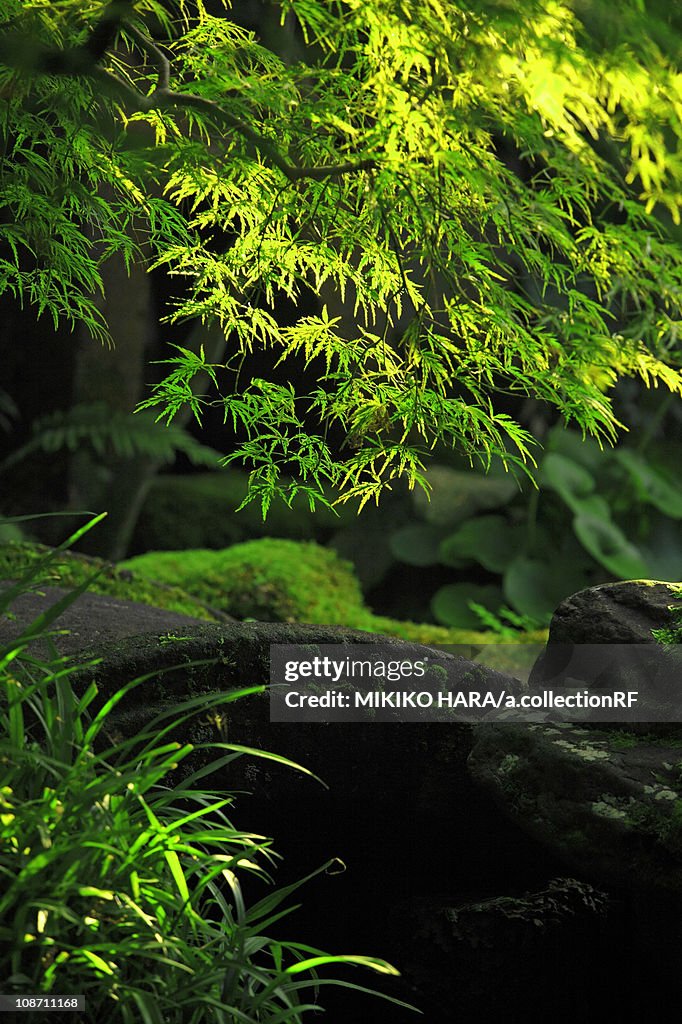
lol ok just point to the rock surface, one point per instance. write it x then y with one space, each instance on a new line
483 955
606 800
401 812
131 640
178 658
603 638
609 803
92 621
613 613
392 791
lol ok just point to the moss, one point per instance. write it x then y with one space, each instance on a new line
672 634
10 532
426 633
289 581
621 739
586 751
509 763
606 809
69 570
279 580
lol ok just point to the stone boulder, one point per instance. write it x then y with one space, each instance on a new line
401 812
130 640
608 803
482 955
92 622
605 798
614 613
603 638
279 580
389 793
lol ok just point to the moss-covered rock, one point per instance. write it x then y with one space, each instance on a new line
610 805
277 580
67 570
614 613
287 581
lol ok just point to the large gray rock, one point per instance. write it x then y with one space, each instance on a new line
392 790
184 655
88 623
603 638
614 613
401 811
482 956
177 658
605 800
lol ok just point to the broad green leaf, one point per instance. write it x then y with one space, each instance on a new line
489 540
662 549
609 546
571 481
458 494
535 587
450 604
417 544
584 451
593 505
651 485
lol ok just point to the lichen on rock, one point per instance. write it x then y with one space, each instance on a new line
608 809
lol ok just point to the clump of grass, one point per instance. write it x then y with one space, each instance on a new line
120 888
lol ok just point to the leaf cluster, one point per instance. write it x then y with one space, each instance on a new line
473 195
591 517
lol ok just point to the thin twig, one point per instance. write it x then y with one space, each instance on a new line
158 57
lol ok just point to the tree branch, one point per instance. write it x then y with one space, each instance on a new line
107 28
29 54
156 55
164 96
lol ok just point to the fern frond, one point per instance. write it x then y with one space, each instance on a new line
111 433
